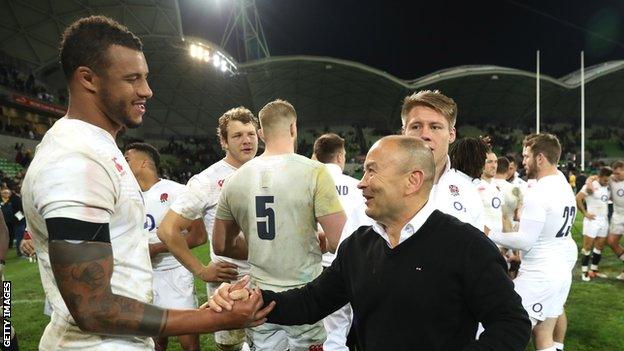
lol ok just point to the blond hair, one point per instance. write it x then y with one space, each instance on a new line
274 115
433 99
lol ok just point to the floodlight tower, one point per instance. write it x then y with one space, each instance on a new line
245 28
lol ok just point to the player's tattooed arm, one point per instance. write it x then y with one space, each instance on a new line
83 272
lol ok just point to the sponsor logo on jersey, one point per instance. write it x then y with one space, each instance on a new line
620 192
604 198
150 223
220 183
454 190
117 165
164 197
496 202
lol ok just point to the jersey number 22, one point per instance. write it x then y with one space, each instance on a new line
569 213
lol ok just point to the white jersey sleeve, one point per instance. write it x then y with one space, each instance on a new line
198 196
57 194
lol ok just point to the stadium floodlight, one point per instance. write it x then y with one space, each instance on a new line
194 50
208 52
216 61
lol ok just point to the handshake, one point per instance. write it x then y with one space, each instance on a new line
235 297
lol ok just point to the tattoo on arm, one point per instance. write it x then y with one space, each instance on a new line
83 272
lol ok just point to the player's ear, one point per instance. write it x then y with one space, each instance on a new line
452 135
86 78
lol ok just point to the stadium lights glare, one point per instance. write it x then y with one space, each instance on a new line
206 53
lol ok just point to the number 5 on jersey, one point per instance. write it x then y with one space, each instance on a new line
266 228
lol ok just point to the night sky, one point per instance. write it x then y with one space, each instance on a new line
410 39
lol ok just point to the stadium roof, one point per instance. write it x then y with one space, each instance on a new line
189 96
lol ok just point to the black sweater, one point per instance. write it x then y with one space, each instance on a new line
425 294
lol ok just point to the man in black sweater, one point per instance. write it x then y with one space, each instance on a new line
417 279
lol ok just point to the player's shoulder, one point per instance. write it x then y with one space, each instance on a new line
306 162
167 184
77 139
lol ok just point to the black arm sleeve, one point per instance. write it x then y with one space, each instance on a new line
312 302
491 297
61 228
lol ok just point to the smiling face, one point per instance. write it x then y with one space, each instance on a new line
618 174
122 88
431 126
382 182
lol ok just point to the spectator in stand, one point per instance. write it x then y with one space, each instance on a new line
8 213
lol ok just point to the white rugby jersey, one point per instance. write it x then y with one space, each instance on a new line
157 201
200 200
598 201
617 195
456 195
276 201
551 202
348 193
79 172
493 200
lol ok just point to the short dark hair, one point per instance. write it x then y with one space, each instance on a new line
147 149
86 41
468 155
503 165
327 146
545 144
605 172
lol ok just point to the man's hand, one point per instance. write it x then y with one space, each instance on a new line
249 312
218 272
27 248
590 216
226 294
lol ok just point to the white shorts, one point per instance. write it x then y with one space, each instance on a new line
174 288
617 224
273 337
543 298
598 227
225 337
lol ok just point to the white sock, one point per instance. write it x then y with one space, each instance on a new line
622 257
596 251
559 346
552 348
